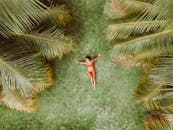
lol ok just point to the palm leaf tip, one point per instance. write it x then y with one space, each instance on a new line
59 15
18 102
41 86
113 10
121 8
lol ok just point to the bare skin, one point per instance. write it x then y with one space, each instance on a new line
91 70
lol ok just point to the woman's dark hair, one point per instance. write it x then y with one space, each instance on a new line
88 57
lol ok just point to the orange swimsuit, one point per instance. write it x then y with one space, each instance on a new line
90 67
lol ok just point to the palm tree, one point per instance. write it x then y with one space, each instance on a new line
143 33
154 120
156 92
31 36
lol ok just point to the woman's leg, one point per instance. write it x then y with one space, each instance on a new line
91 77
94 78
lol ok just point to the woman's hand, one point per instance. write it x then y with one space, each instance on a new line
76 61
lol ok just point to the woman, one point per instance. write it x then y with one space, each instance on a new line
91 70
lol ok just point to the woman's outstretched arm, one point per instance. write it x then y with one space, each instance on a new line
94 59
79 62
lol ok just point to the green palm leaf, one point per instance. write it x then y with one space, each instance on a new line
18 102
156 120
159 41
51 43
142 59
156 86
160 10
163 101
161 73
21 70
5 31
146 90
59 15
21 15
124 30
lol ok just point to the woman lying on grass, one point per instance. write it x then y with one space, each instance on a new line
91 70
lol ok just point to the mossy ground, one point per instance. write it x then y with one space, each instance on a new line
71 103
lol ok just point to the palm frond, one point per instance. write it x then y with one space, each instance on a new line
51 43
142 59
160 100
161 73
156 120
149 93
161 10
18 102
163 102
59 15
146 91
39 86
21 15
5 31
21 70
121 8
144 38
125 30
156 85
160 40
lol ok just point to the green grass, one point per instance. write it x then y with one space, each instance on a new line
71 103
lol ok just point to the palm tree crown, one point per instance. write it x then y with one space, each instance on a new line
30 37
143 32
